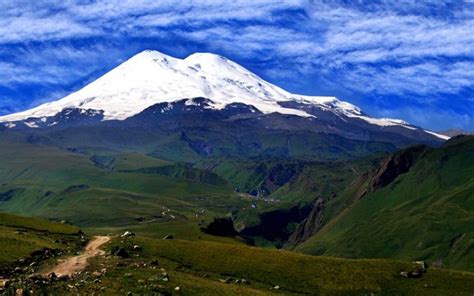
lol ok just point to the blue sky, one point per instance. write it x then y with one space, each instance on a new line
407 59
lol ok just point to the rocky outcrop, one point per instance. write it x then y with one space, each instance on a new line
395 165
310 224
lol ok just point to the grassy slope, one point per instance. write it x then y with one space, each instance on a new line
418 216
198 267
21 236
45 181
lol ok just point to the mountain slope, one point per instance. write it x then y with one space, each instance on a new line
423 210
151 78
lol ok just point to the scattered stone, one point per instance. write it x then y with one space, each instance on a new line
177 289
129 275
164 277
154 263
127 234
419 268
168 236
137 248
226 281
411 274
276 287
129 294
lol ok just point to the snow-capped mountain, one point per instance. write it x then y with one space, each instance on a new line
151 77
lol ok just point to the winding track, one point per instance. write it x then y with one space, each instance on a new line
79 263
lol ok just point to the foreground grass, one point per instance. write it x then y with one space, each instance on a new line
213 268
21 236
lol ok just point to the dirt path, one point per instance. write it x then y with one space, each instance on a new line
79 263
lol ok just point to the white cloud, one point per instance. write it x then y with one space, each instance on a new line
386 47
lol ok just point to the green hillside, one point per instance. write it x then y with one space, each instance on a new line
424 214
48 182
20 237
215 268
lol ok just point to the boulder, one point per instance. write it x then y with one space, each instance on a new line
127 234
122 253
164 277
168 236
52 276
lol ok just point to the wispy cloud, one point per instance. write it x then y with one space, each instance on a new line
418 50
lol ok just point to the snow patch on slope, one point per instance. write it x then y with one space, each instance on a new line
444 137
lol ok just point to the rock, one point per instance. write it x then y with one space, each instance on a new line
226 281
141 282
63 277
422 265
122 253
127 234
19 292
4 283
154 263
129 294
276 287
177 289
128 275
137 248
52 276
411 274
96 274
168 236
164 277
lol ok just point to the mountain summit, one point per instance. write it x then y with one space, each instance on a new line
151 77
